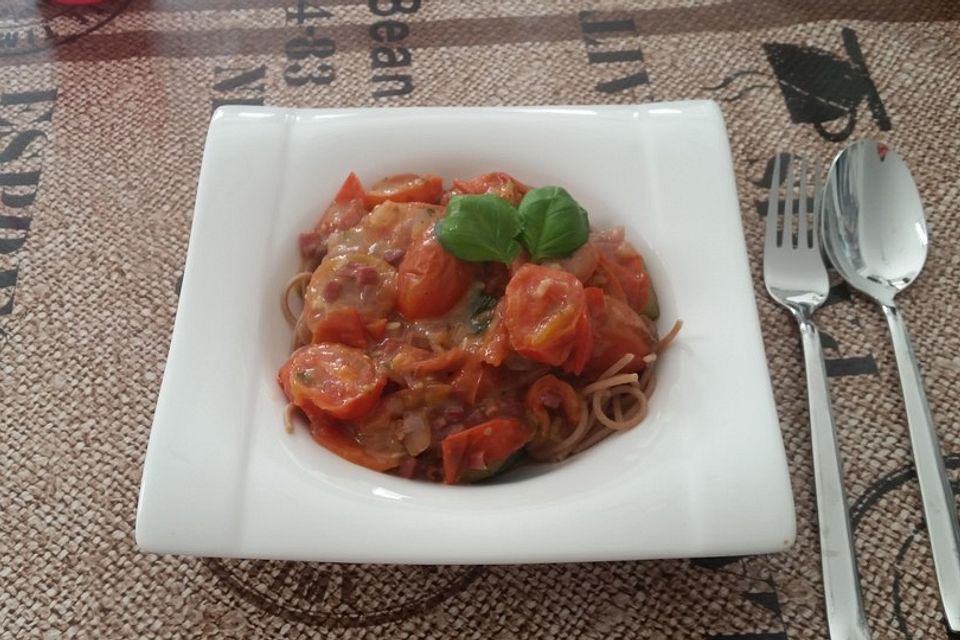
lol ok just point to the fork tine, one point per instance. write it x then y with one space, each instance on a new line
802 209
770 236
787 237
817 195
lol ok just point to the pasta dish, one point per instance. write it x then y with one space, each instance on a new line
445 334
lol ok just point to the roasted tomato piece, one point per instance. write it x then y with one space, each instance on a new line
331 379
350 190
432 280
482 449
621 271
347 209
338 439
342 325
475 379
546 317
617 330
498 183
406 187
364 283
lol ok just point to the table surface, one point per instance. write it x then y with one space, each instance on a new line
103 113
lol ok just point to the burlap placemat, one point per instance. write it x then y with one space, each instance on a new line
103 112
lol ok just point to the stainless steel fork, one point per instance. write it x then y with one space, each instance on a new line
796 277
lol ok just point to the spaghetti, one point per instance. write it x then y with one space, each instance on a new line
411 361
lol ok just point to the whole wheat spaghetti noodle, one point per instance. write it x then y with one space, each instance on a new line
618 402
615 402
296 283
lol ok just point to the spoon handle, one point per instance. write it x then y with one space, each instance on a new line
939 504
841 580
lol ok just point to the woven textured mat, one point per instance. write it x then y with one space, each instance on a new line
103 113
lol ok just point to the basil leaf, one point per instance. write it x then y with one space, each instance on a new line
480 228
554 225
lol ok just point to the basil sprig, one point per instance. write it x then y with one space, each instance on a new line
548 222
554 225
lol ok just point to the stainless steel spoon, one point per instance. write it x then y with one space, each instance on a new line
875 234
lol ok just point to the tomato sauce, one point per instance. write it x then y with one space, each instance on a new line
415 362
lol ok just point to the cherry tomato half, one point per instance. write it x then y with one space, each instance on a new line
431 279
361 282
406 187
335 438
342 325
351 189
617 330
482 448
545 316
391 228
331 379
498 183
347 209
622 270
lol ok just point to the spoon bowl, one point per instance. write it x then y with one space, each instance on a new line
873 226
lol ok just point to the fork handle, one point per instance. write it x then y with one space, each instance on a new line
841 580
939 504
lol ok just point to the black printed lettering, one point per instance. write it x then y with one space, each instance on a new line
622 84
20 179
839 292
223 102
20 142
309 54
30 101
389 57
24 117
391 7
19 189
304 47
239 86
305 11
598 57
389 31
842 365
589 25
16 226
8 281
403 87
297 75
237 77
852 366
614 42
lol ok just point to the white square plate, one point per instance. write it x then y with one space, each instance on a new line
705 474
